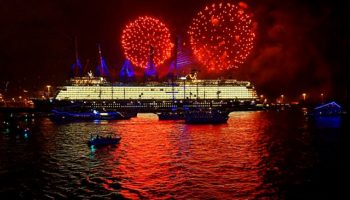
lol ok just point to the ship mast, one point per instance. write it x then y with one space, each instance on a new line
151 71
175 56
76 68
102 68
100 56
76 49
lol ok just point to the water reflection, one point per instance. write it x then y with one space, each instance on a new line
327 121
255 155
210 160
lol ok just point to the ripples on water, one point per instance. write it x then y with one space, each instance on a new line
256 155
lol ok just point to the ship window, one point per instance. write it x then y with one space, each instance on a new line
161 89
152 89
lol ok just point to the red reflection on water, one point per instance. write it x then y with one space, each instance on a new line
169 159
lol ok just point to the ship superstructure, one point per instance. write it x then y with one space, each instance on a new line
97 88
96 93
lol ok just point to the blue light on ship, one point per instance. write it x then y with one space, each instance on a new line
76 68
127 72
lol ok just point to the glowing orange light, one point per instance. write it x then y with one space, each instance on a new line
304 96
243 5
214 21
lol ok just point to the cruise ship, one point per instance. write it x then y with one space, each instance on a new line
92 92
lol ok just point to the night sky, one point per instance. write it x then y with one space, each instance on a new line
301 46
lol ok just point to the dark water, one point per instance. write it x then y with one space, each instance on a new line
256 155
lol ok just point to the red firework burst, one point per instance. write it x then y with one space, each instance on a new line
222 36
141 35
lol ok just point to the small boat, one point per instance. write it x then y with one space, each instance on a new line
206 116
103 141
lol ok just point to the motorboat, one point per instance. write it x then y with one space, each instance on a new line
103 140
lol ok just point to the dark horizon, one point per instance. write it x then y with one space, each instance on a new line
301 46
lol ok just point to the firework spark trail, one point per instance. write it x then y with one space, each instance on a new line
222 36
140 35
